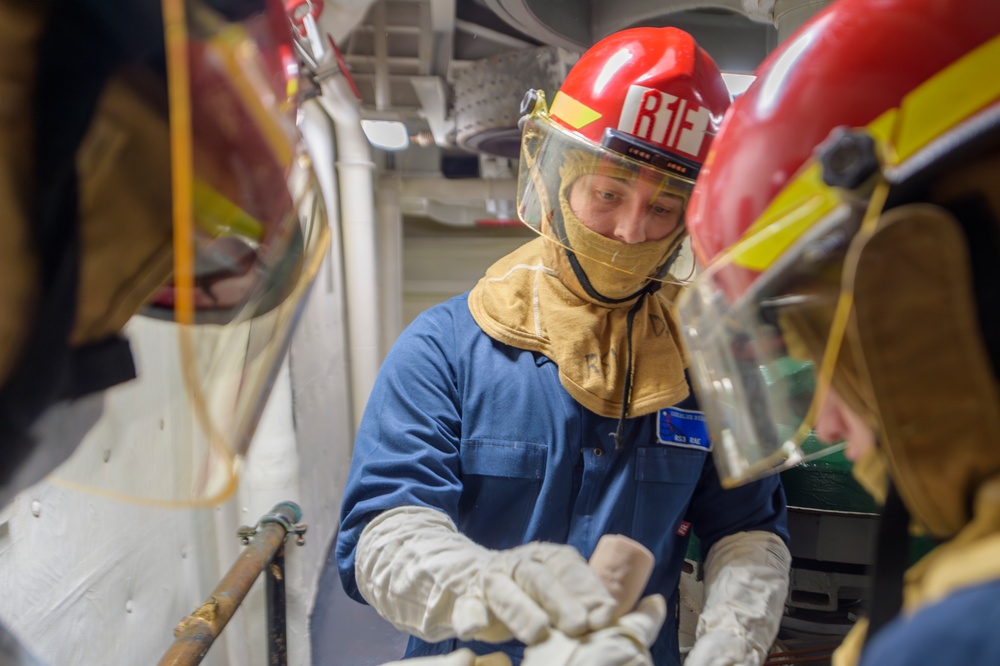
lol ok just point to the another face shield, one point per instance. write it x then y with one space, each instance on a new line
766 322
625 191
248 235
763 342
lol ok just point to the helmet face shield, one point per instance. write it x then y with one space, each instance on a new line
566 181
762 346
249 232
249 224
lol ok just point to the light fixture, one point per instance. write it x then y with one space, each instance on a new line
386 134
737 83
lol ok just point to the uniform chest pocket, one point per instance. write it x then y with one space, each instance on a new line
489 457
501 481
668 464
666 477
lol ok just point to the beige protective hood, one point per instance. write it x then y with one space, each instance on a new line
938 401
927 365
531 299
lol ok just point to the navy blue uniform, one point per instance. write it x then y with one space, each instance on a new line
959 629
486 433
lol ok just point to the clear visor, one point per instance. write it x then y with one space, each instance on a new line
766 321
566 181
249 234
763 361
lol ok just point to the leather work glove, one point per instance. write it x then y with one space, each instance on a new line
746 582
624 643
463 657
427 579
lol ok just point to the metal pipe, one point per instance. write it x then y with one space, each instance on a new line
195 634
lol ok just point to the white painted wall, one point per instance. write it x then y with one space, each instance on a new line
89 579
441 261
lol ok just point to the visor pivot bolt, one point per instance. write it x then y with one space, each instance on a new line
848 158
528 102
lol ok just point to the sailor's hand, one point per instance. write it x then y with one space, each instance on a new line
624 643
523 591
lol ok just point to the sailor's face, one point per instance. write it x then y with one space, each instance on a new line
837 422
628 211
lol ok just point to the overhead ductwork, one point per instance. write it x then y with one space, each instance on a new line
738 33
488 94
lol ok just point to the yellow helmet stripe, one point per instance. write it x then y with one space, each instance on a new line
938 105
945 100
802 203
572 112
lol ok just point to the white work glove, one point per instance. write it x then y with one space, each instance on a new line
746 582
427 579
624 643
463 657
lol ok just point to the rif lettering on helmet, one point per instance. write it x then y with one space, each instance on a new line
664 119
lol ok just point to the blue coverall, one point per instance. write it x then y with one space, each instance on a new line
962 628
486 433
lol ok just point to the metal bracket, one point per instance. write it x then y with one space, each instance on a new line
245 532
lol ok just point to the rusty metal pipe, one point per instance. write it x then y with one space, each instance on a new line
195 634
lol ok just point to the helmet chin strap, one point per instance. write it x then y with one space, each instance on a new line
627 389
649 288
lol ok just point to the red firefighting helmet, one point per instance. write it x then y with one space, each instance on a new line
654 88
643 100
841 116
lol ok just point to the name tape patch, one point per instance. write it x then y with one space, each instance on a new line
683 427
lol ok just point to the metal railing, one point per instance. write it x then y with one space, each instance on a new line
265 552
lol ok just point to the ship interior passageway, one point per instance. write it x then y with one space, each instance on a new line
411 115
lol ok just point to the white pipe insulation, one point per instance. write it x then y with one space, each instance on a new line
355 175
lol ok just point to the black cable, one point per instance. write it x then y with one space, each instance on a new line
891 559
